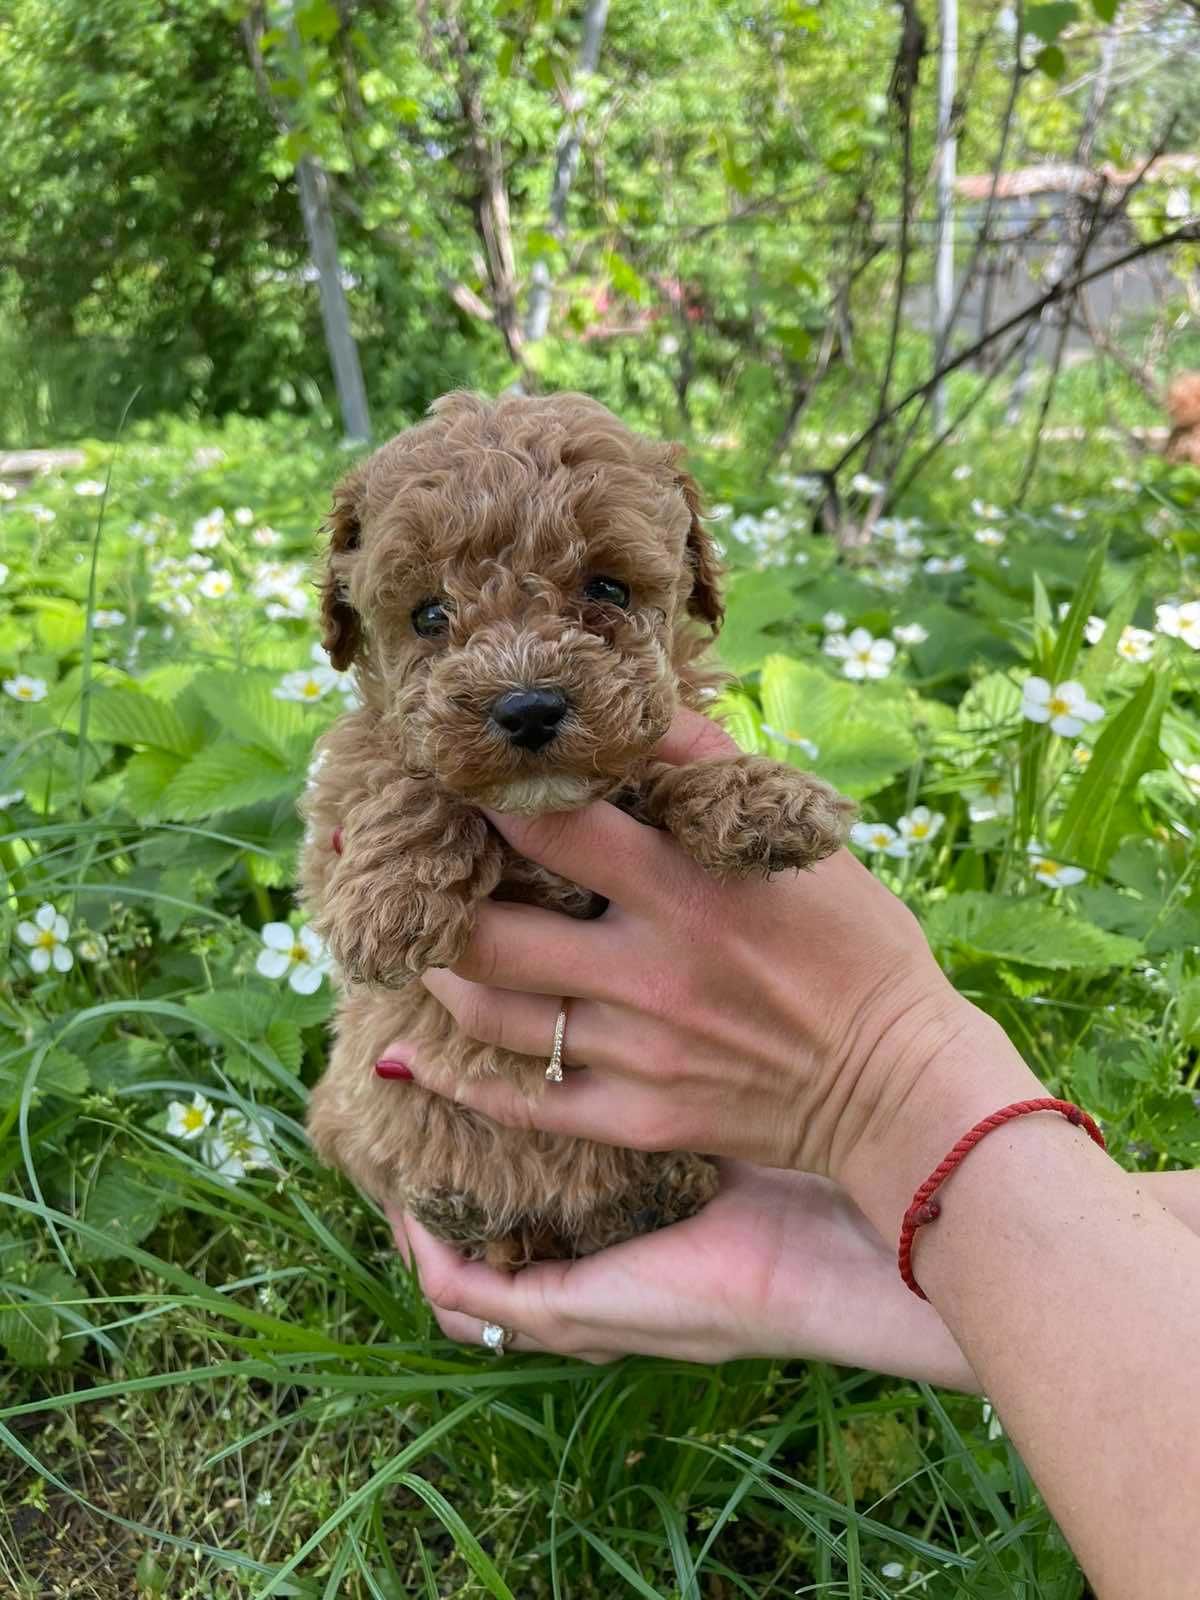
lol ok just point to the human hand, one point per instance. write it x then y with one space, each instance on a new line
779 1264
798 1022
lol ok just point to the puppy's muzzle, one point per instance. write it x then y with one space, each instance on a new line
529 718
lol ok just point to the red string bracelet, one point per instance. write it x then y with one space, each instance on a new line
924 1208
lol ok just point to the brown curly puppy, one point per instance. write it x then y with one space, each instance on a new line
1183 405
524 589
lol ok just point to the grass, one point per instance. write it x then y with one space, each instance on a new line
226 1389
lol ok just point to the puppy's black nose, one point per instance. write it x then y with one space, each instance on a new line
530 717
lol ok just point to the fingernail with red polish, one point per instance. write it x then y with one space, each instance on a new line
394 1069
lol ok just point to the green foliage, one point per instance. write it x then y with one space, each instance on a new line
214 1270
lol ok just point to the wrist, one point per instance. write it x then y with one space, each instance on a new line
938 1072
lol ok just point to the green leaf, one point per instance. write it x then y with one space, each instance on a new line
247 708
1187 1012
754 601
1106 10
1098 815
1103 654
1070 635
1052 62
123 1206
1046 22
31 1330
625 279
121 714
145 779
223 777
1027 931
860 746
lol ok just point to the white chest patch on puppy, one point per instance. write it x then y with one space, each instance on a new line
529 797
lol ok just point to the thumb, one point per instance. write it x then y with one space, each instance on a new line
693 737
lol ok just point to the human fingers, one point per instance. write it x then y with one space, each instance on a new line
524 1023
586 1105
693 737
600 847
467 1294
534 951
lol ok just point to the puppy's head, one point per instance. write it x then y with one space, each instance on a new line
520 582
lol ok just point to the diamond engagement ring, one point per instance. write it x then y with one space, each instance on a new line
554 1072
495 1337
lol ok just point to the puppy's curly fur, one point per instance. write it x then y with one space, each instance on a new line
505 514
1183 406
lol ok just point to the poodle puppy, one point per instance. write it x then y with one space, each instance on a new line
1183 406
524 588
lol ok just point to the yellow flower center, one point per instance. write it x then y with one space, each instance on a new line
24 692
193 1118
47 938
1058 706
919 830
298 953
1047 869
312 690
881 839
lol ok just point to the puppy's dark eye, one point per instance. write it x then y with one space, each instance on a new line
607 591
430 618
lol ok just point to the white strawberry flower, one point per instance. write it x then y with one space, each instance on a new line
989 513
216 585
1093 629
198 563
861 654
1123 486
243 516
1135 644
12 798
23 687
292 603
266 537
1068 513
942 566
880 838
791 737
42 514
177 604
47 936
237 1146
1189 771
306 685
894 577
92 947
299 955
1065 706
89 487
909 546
108 619
189 1122
862 483
910 633
962 472
833 622
208 531
990 799
8 491
920 825
1081 755
1179 622
1052 873
991 537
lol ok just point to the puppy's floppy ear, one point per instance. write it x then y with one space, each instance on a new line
705 600
340 622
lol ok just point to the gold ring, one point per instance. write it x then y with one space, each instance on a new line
554 1072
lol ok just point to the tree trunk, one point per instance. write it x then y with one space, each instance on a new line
566 159
943 280
335 310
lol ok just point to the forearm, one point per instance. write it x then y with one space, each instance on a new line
1075 1295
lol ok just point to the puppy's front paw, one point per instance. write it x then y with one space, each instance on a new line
402 935
750 815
